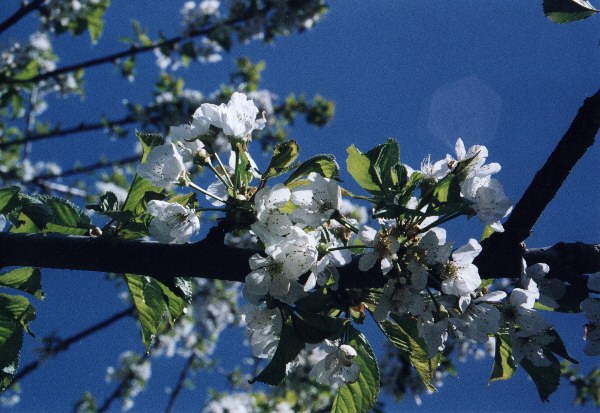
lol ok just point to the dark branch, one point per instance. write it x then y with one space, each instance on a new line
503 251
211 259
546 183
19 14
88 168
83 127
134 50
180 383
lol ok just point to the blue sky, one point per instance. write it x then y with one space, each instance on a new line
495 73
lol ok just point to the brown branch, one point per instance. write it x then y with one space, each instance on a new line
19 14
134 50
211 259
180 383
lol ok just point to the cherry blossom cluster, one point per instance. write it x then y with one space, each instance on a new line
304 230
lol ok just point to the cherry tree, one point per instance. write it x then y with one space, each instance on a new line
290 253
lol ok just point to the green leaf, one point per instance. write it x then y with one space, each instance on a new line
504 364
135 198
359 397
149 141
283 158
149 303
287 350
29 71
314 302
24 279
547 378
66 217
567 11
177 301
95 20
108 205
17 308
11 340
324 165
403 334
388 156
360 167
557 346
314 328
8 196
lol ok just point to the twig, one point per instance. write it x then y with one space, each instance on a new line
180 382
119 390
64 344
19 14
85 169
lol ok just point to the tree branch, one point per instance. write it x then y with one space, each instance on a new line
502 252
86 168
134 50
62 345
180 383
211 259
19 14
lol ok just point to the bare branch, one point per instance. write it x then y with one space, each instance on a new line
62 345
134 50
180 383
502 252
87 168
19 14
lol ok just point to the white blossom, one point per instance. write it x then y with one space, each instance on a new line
476 155
384 246
479 317
489 201
460 277
236 119
264 327
317 200
550 289
184 137
338 366
172 223
531 347
163 167
271 223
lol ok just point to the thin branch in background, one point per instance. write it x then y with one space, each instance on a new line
180 383
82 127
19 14
62 345
49 187
119 390
30 121
85 169
134 50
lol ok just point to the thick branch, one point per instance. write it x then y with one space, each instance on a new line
19 14
558 166
213 260
503 251
134 50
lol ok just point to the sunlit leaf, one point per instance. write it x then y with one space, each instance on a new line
324 165
284 156
567 11
504 364
149 303
24 279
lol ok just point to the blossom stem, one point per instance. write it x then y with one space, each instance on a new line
223 168
442 220
347 247
337 215
228 184
205 192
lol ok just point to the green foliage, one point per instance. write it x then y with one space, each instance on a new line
284 156
587 387
403 334
324 165
359 397
151 299
567 11
25 279
15 315
108 205
314 328
504 364
287 350
546 378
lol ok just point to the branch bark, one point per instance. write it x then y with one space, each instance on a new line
211 259
502 252
19 14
